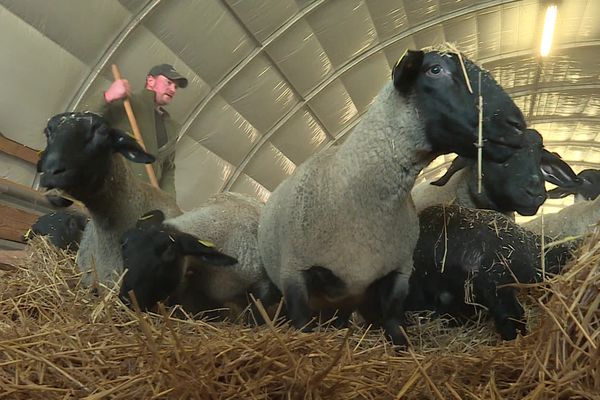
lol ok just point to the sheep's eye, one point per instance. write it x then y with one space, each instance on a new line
435 71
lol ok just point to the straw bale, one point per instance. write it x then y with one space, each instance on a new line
59 340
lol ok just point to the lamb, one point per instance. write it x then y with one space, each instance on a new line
343 227
85 158
515 185
465 258
154 255
63 228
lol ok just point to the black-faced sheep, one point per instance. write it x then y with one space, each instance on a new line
63 228
85 158
344 222
465 258
165 261
514 185
587 189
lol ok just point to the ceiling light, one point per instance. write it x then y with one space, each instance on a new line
549 23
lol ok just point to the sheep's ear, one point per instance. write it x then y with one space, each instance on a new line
559 193
150 220
558 172
407 69
130 148
206 252
457 164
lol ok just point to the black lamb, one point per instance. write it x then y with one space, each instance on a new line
468 258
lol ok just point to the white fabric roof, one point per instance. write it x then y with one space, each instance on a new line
274 81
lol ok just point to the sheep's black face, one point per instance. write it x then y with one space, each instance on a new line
77 153
153 267
517 184
590 184
64 228
586 186
450 111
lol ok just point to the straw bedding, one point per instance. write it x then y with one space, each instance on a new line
59 340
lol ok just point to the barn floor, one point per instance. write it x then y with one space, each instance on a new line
60 341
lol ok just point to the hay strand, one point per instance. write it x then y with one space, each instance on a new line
60 340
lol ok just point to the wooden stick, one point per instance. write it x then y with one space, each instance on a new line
134 127
480 138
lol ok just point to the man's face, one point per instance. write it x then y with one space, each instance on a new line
164 89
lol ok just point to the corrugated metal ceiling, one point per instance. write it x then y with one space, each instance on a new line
274 81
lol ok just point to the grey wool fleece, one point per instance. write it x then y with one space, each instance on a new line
113 209
349 208
577 219
230 221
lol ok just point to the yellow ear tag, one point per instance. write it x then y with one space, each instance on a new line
206 243
26 235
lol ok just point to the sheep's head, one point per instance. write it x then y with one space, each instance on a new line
155 259
79 150
518 183
450 111
587 188
63 228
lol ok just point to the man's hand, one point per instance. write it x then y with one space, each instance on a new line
118 90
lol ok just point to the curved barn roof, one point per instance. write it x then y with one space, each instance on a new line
274 81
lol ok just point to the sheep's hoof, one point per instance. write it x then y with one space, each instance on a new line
396 335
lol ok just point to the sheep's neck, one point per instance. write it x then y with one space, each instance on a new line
110 204
388 146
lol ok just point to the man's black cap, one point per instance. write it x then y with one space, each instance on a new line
168 71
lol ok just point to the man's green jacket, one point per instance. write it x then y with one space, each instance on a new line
142 104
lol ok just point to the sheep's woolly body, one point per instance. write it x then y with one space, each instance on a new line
230 222
348 209
113 209
574 220
456 191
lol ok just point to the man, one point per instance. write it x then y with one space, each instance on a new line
158 130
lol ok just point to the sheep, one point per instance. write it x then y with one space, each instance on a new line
574 220
343 225
62 227
85 158
154 255
515 185
588 189
465 258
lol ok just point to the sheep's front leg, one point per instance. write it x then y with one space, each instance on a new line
503 306
295 295
392 307
384 305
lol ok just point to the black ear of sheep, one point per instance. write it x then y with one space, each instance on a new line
151 219
558 172
129 147
204 251
457 164
407 69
